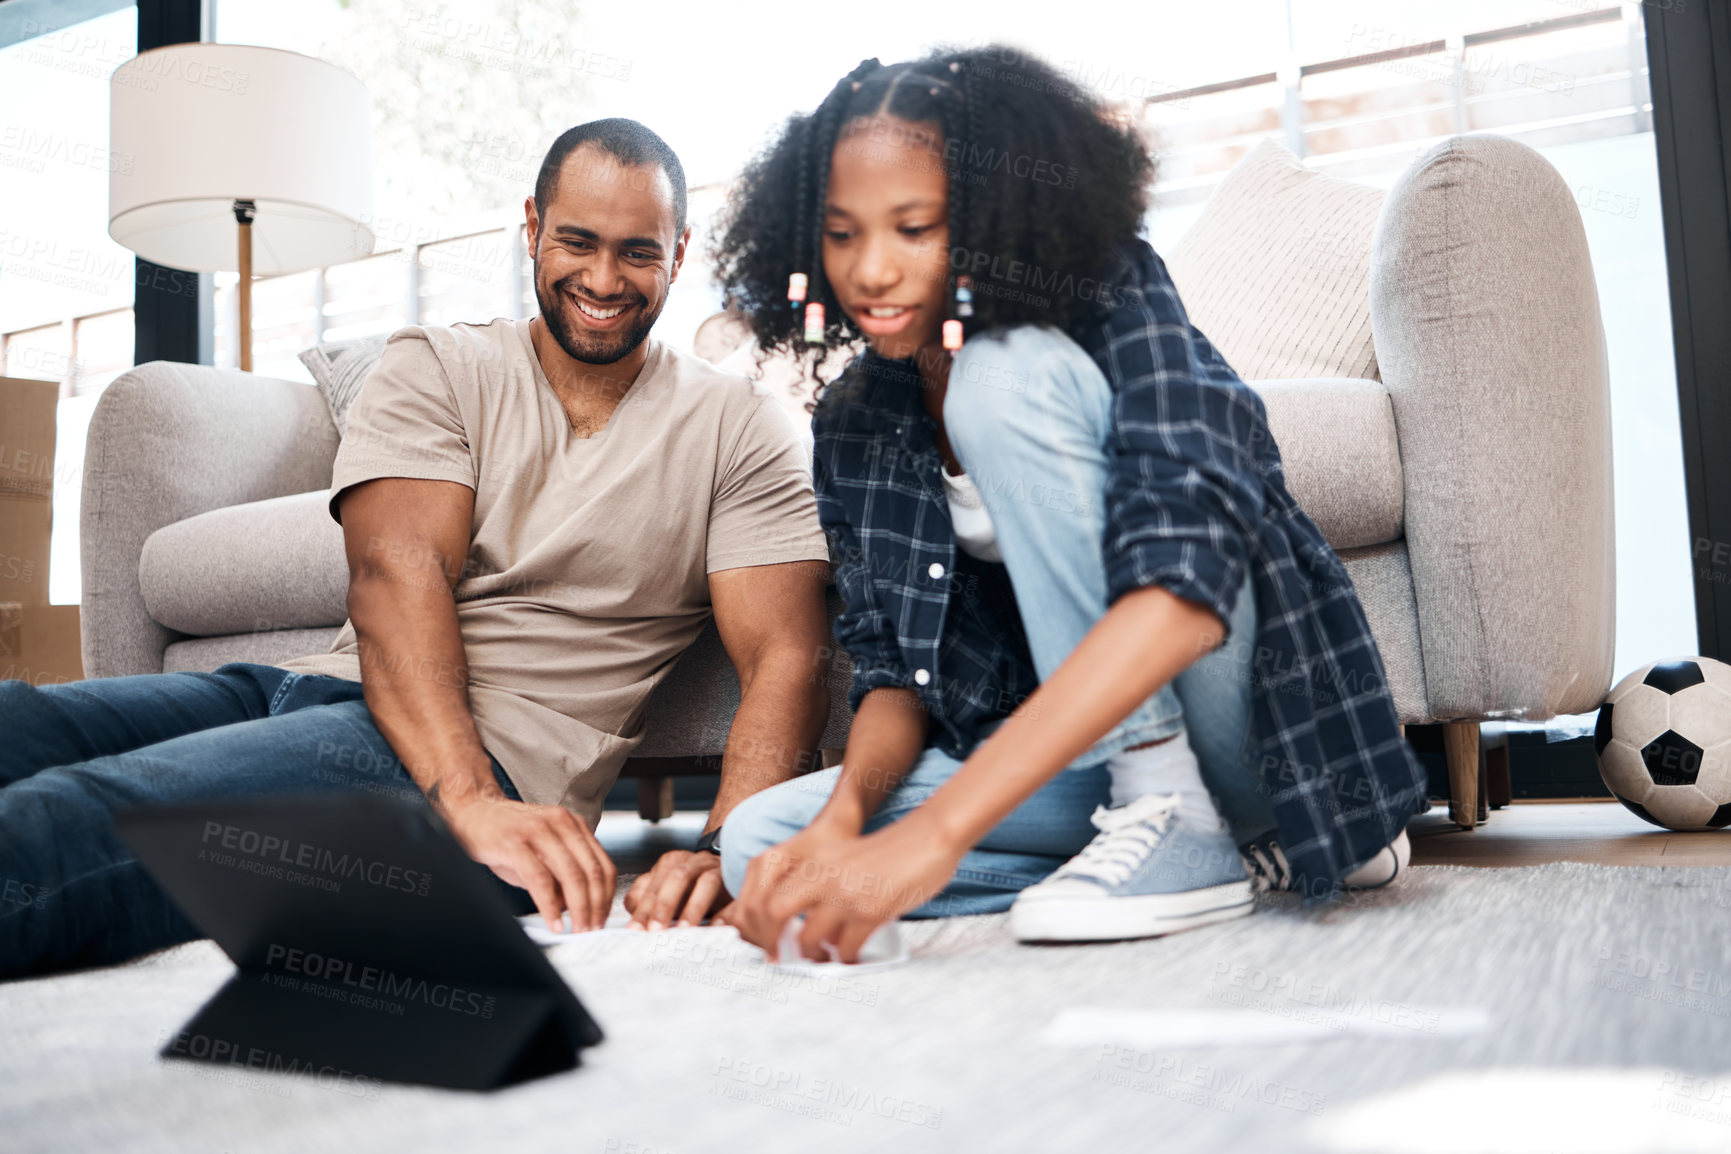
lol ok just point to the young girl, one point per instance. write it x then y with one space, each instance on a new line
1097 646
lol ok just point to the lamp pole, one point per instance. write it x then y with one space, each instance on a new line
244 211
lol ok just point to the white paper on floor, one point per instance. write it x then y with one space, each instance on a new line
883 949
1538 1110
542 936
1176 1027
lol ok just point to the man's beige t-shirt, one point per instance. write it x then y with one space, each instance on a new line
587 566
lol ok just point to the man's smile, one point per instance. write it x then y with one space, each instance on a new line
598 316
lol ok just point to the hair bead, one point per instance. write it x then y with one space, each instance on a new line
960 197
795 288
814 323
802 191
964 296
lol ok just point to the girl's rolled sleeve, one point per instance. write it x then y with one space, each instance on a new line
1184 495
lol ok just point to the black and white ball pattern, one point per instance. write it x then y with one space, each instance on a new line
1664 743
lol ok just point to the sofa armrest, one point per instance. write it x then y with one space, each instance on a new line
168 441
1486 320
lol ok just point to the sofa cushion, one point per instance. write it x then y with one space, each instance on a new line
1276 270
204 654
339 369
1342 461
275 564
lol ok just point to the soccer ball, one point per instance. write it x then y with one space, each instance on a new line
1664 743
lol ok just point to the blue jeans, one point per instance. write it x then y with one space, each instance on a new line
1028 414
71 894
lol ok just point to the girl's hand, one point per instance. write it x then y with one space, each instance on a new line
846 885
769 875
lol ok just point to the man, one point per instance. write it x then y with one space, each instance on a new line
539 516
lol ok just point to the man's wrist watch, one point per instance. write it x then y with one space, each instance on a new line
710 842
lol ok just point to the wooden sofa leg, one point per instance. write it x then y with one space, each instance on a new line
654 798
1461 751
1498 784
1484 812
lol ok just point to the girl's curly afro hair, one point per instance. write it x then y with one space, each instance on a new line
1042 186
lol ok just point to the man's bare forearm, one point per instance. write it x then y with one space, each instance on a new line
415 678
888 733
775 733
407 541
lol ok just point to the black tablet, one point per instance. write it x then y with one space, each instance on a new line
368 943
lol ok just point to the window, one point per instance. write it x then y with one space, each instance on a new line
57 264
1368 87
65 287
465 105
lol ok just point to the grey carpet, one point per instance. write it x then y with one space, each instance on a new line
944 1053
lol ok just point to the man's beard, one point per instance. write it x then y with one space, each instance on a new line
591 348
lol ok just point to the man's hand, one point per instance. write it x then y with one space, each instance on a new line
545 849
682 889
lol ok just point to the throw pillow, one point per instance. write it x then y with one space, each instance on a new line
339 369
1276 270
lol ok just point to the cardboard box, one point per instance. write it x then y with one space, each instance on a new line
39 643
27 417
24 531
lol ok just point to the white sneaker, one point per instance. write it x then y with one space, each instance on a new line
1146 874
1383 869
1267 866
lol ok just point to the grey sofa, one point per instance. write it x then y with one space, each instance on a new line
1463 472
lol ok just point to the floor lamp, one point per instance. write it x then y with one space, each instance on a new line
229 156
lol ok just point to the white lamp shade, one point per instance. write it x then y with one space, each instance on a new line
203 125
